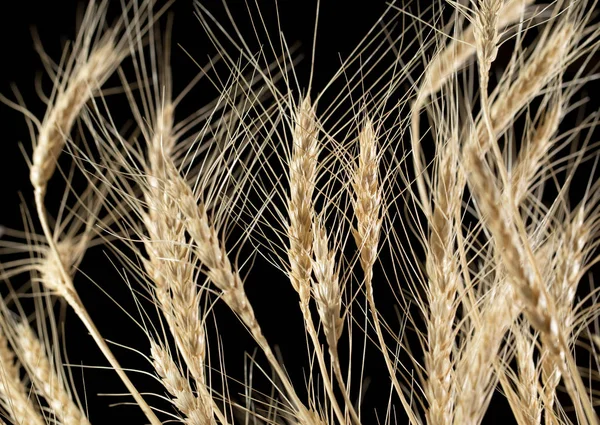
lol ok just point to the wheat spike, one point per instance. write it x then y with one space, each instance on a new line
14 397
302 175
45 378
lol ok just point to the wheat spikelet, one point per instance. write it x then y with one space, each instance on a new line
45 378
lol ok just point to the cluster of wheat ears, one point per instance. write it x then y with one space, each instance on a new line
439 184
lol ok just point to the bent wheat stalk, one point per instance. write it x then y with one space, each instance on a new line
77 89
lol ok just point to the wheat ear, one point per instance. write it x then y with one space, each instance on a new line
212 254
59 120
300 232
530 159
443 66
303 172
460 49
563 289
529 386
487 37
367 209
541 67
45 378
169 265
328 297
444 282
474 371
169 255
83 82
522 272
13 394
